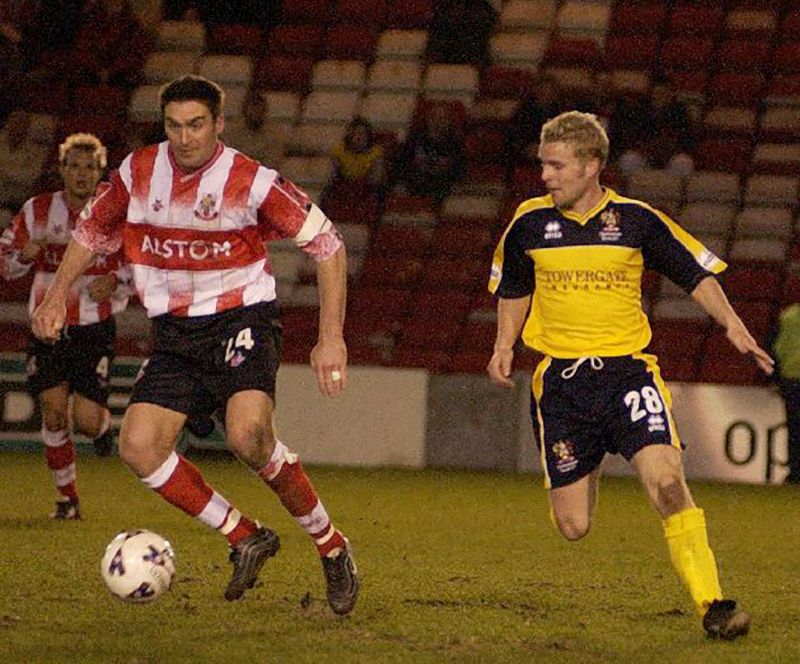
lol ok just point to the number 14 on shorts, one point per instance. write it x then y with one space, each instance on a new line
244 339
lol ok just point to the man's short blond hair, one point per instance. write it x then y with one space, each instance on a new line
582 130
86 142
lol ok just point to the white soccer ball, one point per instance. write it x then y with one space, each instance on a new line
138 566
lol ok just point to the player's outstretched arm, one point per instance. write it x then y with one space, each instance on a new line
511 314
711 297
329 356
49 316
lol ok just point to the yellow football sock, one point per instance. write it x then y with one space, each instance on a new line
692 557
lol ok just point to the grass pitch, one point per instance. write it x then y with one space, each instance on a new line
455 567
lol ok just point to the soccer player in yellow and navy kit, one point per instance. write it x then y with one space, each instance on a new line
567 274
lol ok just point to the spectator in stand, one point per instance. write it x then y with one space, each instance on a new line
358 161
253 133
460 31
21 159
111 46
543 102
431 160
668 133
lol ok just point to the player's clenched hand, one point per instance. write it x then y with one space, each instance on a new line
48 319
499 367
102 287
30 251
329 361
744 342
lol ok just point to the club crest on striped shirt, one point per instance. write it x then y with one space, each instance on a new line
206 208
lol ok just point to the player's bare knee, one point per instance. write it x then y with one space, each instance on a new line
670 492
251 441
573 528
54 420
89 425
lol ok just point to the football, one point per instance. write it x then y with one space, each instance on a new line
138 566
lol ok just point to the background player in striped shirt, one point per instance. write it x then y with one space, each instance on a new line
193 216
580 252
79 360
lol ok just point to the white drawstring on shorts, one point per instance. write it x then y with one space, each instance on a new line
572 369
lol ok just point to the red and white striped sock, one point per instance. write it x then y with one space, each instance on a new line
180 483
59 453
285 476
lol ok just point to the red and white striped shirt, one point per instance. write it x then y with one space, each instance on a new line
48 220
196 242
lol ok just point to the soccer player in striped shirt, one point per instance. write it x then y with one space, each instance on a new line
192 216
77 362
567 273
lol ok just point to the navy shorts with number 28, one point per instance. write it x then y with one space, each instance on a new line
584 408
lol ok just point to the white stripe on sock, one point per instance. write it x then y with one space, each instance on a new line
315 521
214 512
64 476
55 438
164 472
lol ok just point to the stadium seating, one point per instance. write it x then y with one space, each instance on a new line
325 61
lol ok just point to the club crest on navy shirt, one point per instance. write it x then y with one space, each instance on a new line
611 231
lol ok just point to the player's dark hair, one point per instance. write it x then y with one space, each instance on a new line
193 88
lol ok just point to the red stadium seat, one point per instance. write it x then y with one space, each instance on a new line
451 240
743 54
737 89
52 97
743 282
295 12
694 20
388 304
506 82
350 42
454 273
784 87
687 53
572 53
444 304
631 51
473 362
757 315
13 337
527 182
630 17
367 12
790 291
400 239
789 27
102 99
390 271
17 290
477 335
435 361
106 127
301 41
721 363
430 331
484 144
284 73
234 39
786 59
692 81
410 14
731 154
